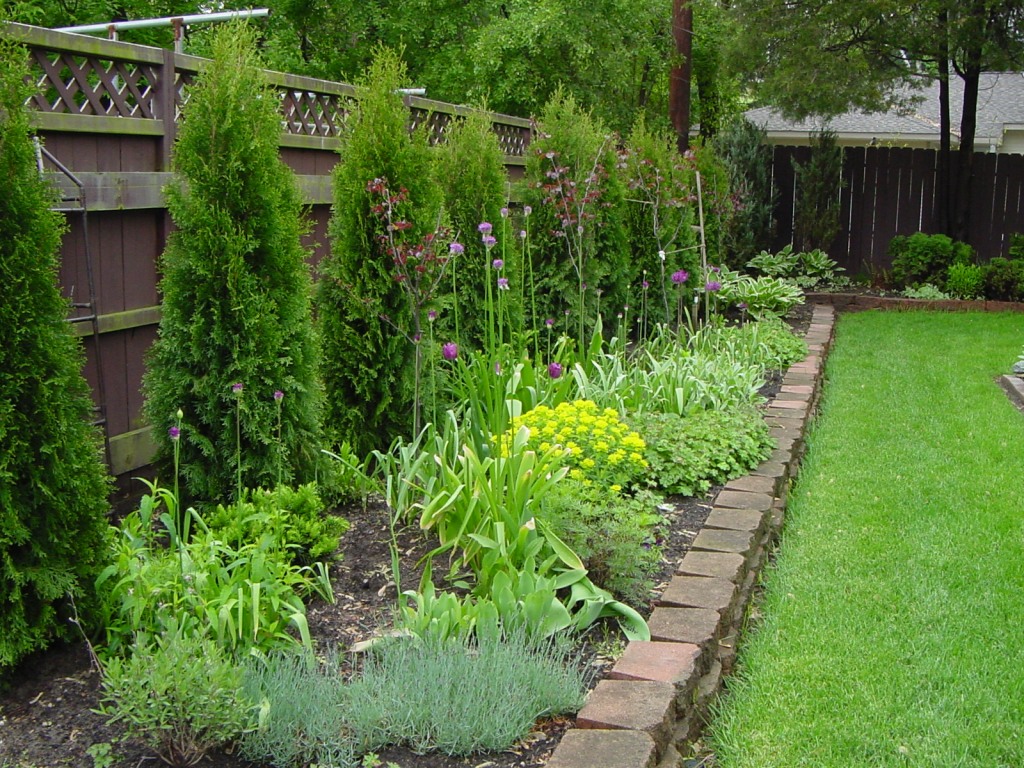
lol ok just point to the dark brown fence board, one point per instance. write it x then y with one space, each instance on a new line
892 191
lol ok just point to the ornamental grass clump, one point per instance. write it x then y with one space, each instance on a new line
597 446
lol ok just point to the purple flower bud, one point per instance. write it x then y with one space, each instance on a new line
549 322
502 283
450 351
713 286
489 241
522 234
456 249
555 370
278 395
174 433
645 285
432 315
497 264
527 210
680 277
237 387
716 270
485 228
504 213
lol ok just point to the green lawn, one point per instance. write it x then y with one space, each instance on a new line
892 619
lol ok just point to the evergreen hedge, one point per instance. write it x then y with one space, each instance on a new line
236 293
53 488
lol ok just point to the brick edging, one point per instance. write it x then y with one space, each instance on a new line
857 302
653 702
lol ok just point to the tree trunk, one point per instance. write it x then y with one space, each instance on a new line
679 80
944 193
965 157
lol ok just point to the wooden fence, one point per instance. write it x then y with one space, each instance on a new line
889 192
106 113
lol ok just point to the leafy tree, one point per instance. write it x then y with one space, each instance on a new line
236 293
367 319
53 489
811 58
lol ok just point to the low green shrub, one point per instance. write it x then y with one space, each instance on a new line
759 297
687 456
180 695
617 537
165 575
965 281
810 269
923 258
925 291
289 520
457 696
1004 279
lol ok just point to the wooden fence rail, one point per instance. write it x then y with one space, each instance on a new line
108 111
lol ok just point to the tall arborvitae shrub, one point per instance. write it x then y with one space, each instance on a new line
660 217
818 182
574 156
745 150
236 327
472 177
53 489
364 311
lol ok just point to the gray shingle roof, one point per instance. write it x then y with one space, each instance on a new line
1000 102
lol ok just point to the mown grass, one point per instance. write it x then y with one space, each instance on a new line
891 631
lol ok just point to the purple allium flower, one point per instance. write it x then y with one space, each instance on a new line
485 228
278 395
432 315
549 322
497 264
713 286
680 277
522 234
742 305
527 210
489 241
555 370
504 213
456 248
645 285
174 433
237 387
417 338
450 351
502 283
716 270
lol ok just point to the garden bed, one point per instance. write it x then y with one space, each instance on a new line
47 715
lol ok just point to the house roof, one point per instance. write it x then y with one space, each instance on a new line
1000 108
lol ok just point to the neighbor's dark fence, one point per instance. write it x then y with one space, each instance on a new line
107 113
891 192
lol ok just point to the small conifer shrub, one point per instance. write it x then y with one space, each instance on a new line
53 489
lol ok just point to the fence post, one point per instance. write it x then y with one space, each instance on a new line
165 106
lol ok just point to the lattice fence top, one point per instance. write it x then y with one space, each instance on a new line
92 85
79 75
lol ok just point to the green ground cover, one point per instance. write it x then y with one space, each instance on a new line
890 633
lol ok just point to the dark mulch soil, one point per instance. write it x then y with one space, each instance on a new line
46 713
46 709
